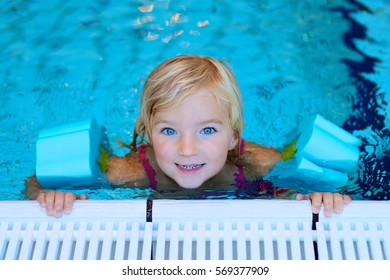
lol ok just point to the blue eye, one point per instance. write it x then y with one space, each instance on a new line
208 130
168 131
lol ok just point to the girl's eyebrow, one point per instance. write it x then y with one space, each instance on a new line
216 121
163 122
211 121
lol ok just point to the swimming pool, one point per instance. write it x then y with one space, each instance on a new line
66 61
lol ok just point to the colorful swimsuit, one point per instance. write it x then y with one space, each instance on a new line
258 186
147 166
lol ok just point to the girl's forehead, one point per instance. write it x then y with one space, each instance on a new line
201 104
204 96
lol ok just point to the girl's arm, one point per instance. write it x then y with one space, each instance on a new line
120 170
32 187
261 159
126 169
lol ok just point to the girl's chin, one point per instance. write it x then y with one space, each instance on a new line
189 185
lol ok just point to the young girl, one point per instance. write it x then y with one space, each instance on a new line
189 136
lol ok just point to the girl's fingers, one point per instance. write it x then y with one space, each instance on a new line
57 203
68 202
41 198
49 202
300 196
82 197
338 203
327 199
346 199
316 201
333 202
59 199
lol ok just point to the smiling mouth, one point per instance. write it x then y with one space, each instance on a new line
190 167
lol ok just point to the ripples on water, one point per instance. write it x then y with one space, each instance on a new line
63 61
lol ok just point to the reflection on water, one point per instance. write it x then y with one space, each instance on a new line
63 61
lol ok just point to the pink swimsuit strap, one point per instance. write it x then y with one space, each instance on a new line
242 147
147 166
239 177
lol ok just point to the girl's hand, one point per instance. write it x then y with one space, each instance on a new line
333 202
56 203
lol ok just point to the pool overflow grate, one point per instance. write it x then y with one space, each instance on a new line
173 234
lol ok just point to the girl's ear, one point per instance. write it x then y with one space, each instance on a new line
234 141
148 138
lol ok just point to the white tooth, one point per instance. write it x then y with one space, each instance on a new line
190 167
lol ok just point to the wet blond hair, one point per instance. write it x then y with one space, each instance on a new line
177 78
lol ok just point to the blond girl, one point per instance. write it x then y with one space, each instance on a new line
188 135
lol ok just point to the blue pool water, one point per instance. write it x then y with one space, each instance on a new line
62 61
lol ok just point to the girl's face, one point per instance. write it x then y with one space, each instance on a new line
191 142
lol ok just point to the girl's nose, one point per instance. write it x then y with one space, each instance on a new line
187 146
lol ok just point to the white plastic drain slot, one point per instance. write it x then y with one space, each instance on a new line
233 230
126 240
353 240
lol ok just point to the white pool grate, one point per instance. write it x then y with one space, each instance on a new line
212 229
361 233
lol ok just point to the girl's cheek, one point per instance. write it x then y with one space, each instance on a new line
162 148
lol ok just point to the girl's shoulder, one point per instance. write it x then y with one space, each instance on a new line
126 168
258 159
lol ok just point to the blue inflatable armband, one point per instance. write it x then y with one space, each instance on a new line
320 157
68 155
301 174
328 145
